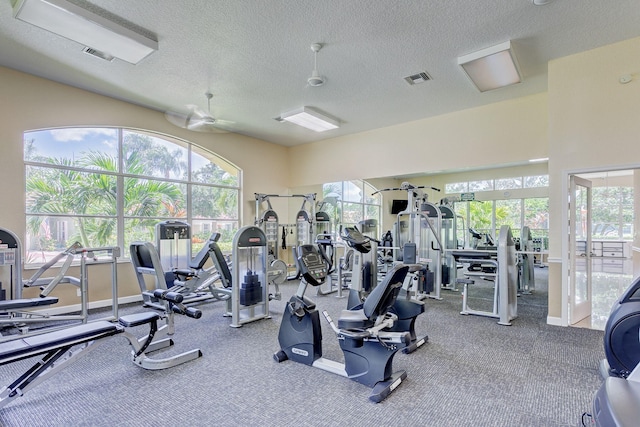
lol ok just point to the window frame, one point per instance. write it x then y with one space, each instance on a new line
185 184
364 203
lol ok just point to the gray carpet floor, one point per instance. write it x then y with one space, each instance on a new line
472 372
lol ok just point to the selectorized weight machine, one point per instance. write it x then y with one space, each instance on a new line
243 286
267 220
501 269
419 241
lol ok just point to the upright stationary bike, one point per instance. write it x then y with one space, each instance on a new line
365 338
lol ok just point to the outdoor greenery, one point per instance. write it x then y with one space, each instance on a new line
612 212
154 181
354 202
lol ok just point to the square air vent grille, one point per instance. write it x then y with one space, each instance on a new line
415 79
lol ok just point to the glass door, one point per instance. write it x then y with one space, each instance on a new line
579 249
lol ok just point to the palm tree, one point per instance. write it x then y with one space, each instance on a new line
92 197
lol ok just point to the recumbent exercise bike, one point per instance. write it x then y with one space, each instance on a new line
365 337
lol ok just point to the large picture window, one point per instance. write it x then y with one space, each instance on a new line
355 201
111 186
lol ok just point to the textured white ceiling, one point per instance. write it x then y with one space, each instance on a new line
255 56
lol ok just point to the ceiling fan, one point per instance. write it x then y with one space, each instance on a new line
316 79
197 119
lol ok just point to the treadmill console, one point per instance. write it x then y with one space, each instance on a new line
311 264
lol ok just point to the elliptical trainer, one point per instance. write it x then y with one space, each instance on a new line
365 338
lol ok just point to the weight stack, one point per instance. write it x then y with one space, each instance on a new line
250 290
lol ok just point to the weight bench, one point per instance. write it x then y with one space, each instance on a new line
62 347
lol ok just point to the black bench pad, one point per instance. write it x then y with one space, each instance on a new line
14 304
138 319
22 348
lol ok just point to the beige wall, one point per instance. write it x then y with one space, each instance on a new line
497 134
29 103
587 120
593 124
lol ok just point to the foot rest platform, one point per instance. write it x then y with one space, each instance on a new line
15 304
11 351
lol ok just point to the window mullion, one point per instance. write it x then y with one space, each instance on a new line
120 192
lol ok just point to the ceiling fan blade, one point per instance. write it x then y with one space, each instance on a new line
178 119
207 124
199 120
198 112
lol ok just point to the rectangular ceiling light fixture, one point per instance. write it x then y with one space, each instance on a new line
85 27
491 68
311 119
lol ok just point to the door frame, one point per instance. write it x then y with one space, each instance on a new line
584 308
564 321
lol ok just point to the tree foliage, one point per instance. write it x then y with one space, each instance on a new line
85 189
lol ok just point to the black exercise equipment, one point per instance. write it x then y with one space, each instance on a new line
617 402
365 338
405 308
621 344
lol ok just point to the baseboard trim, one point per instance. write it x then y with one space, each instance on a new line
554 321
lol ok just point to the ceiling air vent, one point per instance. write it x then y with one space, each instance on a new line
98 54
414 79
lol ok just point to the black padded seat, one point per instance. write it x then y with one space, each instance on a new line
14 304
30 346
471 255
379 301
139 319
354 319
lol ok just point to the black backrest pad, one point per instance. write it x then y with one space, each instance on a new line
384 295
200 259
224 268
143 257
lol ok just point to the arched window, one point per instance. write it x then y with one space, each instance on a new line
111 186
355 201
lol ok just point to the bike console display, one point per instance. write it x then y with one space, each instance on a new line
312 267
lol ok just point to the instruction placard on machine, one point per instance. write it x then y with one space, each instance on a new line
467 197
7 256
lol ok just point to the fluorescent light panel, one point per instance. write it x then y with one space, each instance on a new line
85 27
491 68
311 119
